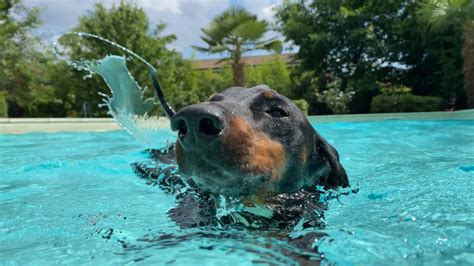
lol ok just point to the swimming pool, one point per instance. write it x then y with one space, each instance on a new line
73 198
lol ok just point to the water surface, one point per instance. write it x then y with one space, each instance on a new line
73 198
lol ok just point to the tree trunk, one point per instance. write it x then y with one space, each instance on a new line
238 67
468 62
238 73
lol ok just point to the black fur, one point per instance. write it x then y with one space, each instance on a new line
296 198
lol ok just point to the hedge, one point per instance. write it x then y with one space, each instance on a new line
405 103
3 105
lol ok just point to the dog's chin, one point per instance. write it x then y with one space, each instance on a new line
218 180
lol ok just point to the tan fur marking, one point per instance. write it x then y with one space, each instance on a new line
304 154
254 150
179 156
268 94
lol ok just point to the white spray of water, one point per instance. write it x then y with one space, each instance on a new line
127 104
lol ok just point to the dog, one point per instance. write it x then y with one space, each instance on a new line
253 146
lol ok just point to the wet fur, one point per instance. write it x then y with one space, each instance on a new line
282 160
255 154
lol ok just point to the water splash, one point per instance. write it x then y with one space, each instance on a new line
127 104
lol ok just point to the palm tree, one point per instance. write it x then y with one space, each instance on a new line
237 32
443 14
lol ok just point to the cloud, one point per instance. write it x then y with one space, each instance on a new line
162 5
187 25
268 12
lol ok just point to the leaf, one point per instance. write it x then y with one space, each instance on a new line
251 30
271 45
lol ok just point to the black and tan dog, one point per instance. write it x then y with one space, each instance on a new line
252 144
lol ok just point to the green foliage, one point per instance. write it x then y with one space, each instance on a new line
442 16
3 105
336 98
405 103
18 56
342 38
395 90
302 104
237 32
127 25
349 51
304 86
366 42
236 26
398 98
203 85
364 91
273 73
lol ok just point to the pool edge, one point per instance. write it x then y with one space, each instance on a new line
30 125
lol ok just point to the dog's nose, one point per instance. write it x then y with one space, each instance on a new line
198 124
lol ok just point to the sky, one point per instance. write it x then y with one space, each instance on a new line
184 18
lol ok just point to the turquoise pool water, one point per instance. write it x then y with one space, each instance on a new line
72 198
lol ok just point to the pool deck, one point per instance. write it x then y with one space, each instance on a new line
29 125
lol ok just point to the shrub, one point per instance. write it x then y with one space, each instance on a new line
3 105
365 90
395 90
405 103
336 98
302 104
273 73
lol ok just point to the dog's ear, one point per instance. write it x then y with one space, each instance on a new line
336 176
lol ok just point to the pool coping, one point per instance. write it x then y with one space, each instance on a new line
30 125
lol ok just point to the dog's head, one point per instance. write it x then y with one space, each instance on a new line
244 142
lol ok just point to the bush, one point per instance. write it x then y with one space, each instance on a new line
405 103
364 90
336 98
273 73
3 105
302 104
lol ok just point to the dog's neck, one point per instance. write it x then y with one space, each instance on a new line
284 210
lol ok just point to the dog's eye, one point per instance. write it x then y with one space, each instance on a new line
277 112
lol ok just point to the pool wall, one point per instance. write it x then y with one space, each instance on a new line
29 125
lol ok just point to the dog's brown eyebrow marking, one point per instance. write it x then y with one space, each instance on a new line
268 94
253 150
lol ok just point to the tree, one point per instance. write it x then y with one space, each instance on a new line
127 25
442 15
433 61
237 32
19 57
347 41
363 43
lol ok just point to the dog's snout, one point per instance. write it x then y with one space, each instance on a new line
182 128
198 124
